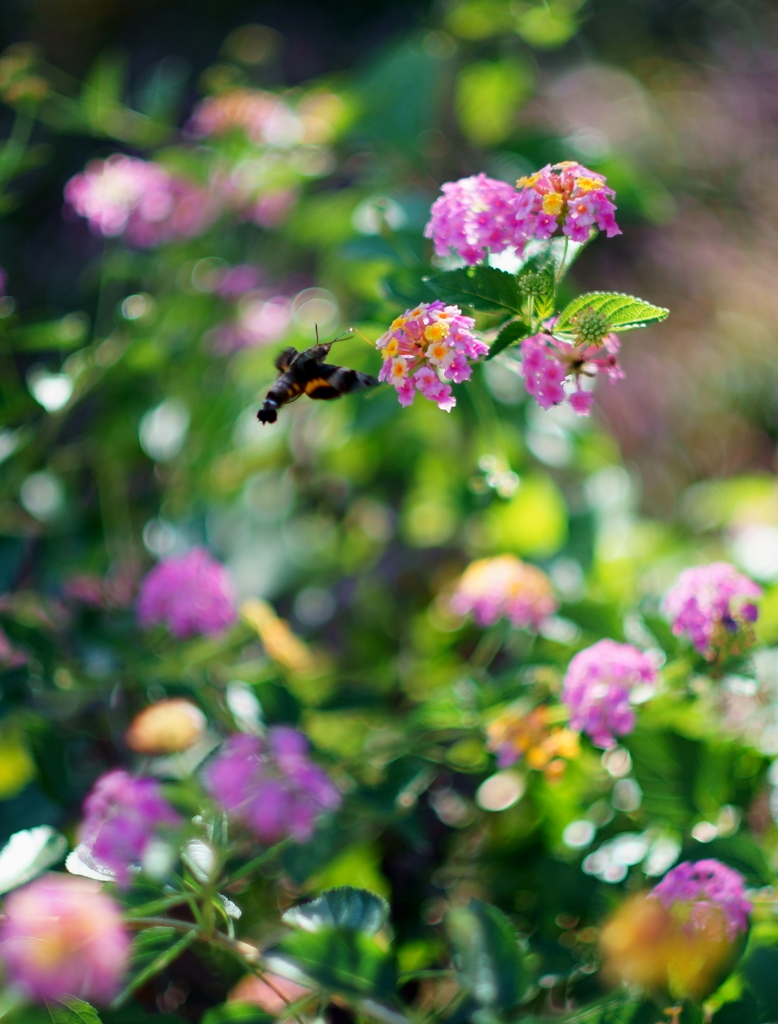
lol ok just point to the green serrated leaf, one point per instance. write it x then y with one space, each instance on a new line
484 288
624 312
489 959
345 907
350 963
512 332
76 1010
69 1011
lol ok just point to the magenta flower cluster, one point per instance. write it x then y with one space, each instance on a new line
552 368
700 885
271 785
122 815
140 200
191 594
474 216
709 602
598 687
566 197
478 215
424 348
61 936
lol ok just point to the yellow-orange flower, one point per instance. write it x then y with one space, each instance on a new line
644 943
515 734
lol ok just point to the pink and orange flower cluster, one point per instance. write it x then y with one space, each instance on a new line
426 347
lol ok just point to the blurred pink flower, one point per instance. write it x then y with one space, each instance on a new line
121 817
710 603
264 117
504 587
474 216
63 937
690 889
424 348
271 785
598 687
140 199
239 279
192 594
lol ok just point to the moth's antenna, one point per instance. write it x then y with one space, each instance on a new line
316 328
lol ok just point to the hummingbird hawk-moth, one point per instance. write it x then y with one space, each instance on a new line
306 373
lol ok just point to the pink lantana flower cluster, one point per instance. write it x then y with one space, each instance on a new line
122 816
61 936
712 605
191 594
566 197
140 200
271 785
552 368
504 587
478 215
474 216
424 348
600 686
692 889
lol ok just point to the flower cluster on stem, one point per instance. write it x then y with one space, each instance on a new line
504 587
271 785
554 370
712 606
191 594
426 347
599 688
122 816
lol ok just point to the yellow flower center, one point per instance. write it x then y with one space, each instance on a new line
552 203
392 348
436 331
587 184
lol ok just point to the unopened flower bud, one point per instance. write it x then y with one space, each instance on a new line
591 327
166 727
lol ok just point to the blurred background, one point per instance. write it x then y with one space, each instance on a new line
132 368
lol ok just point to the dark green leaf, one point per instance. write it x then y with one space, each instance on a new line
152 951
408 287
484 288
511 332
744 1011
489 959
349 963
237 1013
618 1011
624 312
345 907
761 971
